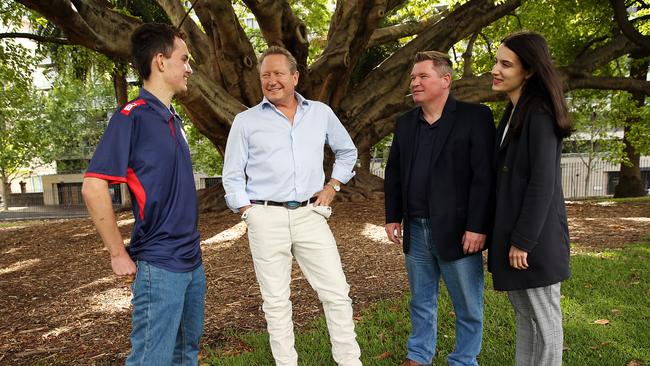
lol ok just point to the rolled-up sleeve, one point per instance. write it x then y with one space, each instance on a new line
234 167
345 152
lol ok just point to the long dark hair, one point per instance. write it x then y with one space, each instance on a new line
543 86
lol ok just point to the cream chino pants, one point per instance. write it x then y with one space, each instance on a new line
275 235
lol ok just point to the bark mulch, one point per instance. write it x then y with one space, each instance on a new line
61 305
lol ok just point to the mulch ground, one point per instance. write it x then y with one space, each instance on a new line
60 304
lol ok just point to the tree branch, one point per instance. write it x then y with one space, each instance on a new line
89 24
394 4
477 89
609 83
488 44
235 57
626 26
197 41
93 24
467 56
280 27
589 61
37 38
352 24
395 32
389 81
588 45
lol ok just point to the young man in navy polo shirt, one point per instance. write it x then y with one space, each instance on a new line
144 147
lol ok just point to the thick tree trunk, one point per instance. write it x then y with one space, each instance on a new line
630 183
4 191
364 185
120 84
212 199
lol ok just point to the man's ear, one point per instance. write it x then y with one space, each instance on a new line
158 62
447 79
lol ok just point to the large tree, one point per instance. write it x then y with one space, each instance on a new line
21 130
335 67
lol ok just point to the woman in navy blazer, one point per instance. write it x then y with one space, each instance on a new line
529 255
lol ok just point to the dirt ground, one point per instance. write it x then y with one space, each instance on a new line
61 305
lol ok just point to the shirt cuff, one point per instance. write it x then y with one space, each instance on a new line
237 200
342 174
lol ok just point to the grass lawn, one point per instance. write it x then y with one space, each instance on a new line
17 224
611 287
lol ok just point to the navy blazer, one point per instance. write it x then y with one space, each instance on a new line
460 177
530 212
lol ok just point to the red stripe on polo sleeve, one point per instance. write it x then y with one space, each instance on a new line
110 178
138 190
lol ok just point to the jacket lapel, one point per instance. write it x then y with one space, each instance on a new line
500 131
449 113
411 121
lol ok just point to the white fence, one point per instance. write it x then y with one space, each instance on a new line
577 180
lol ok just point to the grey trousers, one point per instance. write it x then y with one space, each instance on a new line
539 326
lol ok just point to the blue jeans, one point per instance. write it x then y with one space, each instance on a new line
167 316
464 280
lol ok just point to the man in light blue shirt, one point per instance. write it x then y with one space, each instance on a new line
273 175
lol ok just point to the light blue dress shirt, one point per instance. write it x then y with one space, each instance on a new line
269 158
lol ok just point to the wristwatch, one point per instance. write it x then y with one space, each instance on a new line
335 186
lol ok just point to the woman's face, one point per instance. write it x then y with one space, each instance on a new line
508 74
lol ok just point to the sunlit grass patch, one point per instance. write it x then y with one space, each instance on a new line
605 307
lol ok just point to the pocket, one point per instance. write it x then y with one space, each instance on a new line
246 213
325 211
135 276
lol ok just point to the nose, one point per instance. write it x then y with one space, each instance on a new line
415 81
495 69
188 69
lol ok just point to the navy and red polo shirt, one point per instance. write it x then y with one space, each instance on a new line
144 147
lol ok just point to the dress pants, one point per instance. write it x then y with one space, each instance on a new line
539 326
275 235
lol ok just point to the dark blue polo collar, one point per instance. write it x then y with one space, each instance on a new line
157 105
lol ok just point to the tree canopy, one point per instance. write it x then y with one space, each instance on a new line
20 131
355 55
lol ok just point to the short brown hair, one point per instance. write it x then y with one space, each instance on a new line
277 50
148 40
441 61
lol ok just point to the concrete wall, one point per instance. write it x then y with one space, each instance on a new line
51 194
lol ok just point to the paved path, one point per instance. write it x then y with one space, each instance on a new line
43 212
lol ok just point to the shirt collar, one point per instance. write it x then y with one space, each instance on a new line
156 104
450 106
301 101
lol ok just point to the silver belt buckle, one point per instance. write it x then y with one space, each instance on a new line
291 205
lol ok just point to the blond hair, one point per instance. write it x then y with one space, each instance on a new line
441 61
277 50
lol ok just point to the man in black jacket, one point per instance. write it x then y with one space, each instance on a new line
439 184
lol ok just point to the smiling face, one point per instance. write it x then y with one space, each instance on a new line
278 82
508 73
427 85
177 67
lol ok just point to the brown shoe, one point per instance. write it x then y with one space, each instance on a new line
411 363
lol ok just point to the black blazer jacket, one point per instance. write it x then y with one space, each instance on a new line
460 177
530 212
